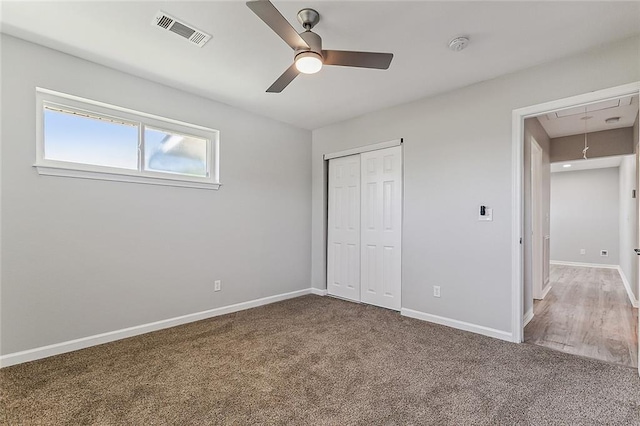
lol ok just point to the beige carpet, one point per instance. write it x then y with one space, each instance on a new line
318 361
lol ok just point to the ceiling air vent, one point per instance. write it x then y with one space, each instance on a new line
167 22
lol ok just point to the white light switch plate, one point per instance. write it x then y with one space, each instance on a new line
488 215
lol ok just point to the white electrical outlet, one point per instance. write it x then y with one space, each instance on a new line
436 291
583 251
217 284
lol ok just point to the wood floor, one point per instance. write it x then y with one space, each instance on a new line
588 313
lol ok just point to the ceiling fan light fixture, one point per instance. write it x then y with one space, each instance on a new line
308 62
309 57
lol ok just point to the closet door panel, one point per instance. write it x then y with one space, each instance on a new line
381 231
343 239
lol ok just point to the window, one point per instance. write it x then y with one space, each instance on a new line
78 137
87 139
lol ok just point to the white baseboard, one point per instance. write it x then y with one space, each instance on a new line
98 339
528 317
586 265
460 325
318 291
627 286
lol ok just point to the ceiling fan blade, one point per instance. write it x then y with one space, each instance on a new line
274 19
357 59
284 80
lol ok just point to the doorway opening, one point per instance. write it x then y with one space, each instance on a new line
576 210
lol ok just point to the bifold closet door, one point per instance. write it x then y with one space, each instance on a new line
343 236
381 227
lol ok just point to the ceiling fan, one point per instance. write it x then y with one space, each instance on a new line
307 45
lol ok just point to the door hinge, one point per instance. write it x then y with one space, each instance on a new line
520 240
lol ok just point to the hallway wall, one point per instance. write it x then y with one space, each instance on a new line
585 215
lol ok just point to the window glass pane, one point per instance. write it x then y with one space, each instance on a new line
89 140
174 153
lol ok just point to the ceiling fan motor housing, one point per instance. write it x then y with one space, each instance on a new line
313 40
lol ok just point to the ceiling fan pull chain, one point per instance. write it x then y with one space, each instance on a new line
586 146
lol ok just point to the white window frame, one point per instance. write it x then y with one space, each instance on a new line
88 171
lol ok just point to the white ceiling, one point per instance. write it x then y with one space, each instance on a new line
591 163
245 57
570 121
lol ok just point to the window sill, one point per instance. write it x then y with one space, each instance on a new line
118 177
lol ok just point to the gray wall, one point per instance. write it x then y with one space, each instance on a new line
457 156
533 128
585 215
629 222
601 144
81 257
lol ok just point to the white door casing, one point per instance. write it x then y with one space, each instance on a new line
343 239
537 238
381 227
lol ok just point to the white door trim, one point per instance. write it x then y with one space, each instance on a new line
537 240
361 149
518 117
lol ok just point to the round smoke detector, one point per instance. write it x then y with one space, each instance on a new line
458 43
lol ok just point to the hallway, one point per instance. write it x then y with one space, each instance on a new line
587 313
